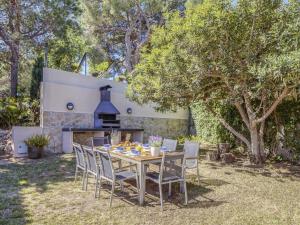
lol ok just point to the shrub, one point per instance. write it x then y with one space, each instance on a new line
38 141
18 111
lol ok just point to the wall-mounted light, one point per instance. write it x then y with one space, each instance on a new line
70 106
129 110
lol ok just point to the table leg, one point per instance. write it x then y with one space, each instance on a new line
181 183
141 168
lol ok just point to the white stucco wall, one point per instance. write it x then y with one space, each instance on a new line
19 135
60 87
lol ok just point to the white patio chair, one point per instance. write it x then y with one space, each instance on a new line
128 137
169 173
101 141
92 167
80 162
109 173
170 144
191 152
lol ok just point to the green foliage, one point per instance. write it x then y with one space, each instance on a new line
207 55
20 111
27 25
36 78
38 141
66 50
210 129
285 121
110 21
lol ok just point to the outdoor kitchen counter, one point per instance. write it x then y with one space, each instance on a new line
99 129
137 134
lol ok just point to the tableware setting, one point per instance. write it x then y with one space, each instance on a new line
164 149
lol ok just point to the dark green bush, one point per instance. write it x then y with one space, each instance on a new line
210 129
18 112
286 115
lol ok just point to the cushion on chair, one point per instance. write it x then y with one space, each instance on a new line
123 175
155 176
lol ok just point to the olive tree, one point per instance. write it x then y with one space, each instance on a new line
245 54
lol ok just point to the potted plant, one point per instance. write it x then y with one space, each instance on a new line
36 144
155 144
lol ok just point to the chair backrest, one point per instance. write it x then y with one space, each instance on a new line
170 144
191 149
79 153
91 161
105 164
128 137
172 167
100 141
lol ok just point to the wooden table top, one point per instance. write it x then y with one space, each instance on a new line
144 156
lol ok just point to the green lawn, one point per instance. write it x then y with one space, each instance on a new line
43 192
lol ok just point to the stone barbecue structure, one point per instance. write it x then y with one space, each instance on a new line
69 101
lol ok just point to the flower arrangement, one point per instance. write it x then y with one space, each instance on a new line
155 141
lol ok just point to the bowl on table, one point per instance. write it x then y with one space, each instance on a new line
164 149
135 152
107 146
119 149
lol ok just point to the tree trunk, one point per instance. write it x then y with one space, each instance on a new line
256 144
14 70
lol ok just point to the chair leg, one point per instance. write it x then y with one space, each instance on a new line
122 186
170 189
137 182
160 196
76 171
185 194
86 180
83 180
100 181
198 175
112 193
96 186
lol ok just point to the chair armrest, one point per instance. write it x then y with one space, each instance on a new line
191 158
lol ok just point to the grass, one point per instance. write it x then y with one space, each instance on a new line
43 192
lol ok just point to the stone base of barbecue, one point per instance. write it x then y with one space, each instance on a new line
54 122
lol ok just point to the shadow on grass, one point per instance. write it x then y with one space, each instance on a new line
16 176
195 191
278 171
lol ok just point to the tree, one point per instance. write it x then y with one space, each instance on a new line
245 54
36 78
31 21
66 49
123 27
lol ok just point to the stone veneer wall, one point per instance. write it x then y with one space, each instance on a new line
53 122
169 128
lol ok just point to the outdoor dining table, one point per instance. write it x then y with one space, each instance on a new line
141 161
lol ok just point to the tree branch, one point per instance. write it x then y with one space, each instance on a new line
230 128
243 114
284 93
5 37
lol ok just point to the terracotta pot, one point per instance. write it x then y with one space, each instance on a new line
155 151
35 153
